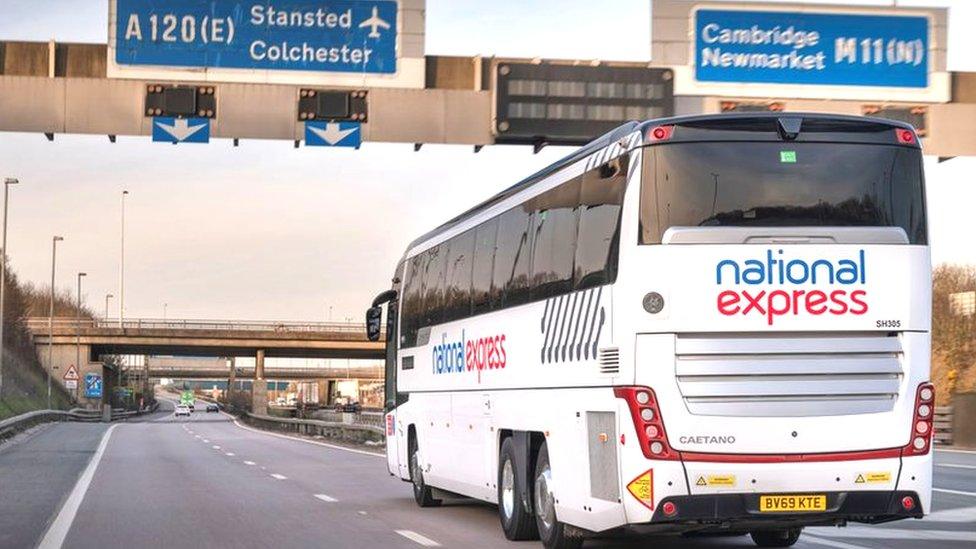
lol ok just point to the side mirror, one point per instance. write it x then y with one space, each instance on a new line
374 322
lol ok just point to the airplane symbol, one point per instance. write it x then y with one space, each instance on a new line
374 23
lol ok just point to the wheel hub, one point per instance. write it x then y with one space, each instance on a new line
508 489
544 500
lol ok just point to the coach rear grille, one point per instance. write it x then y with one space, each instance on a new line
790 375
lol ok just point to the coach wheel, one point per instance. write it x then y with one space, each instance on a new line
517 521
776 538
422 493
551 531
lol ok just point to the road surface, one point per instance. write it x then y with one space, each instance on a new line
208 482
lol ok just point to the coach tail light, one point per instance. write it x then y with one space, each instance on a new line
646 415
659 133
921 439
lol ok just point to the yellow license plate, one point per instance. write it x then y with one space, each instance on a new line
793 504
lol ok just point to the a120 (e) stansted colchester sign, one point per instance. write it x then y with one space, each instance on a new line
352 36
811 48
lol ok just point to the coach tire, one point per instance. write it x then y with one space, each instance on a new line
553 533
776 538
422 493
517 522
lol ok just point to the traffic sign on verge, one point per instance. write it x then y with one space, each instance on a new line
333 134
71 374
71 384
93 386
168 129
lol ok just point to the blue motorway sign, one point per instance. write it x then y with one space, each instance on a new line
333 134
811 48
93 386
310 35
168 129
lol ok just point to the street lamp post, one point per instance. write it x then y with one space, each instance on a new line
107 297
122 264
165 305
78 328
50 319
3 268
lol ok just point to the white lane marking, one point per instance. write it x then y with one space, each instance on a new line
206 441
215 447
955 451
299 439
865 532
231 454
810 538
325 498
197 436
279 477
955 466
956 492
248 463
54 537
415 537
959 514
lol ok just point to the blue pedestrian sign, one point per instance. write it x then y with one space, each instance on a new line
93 386
333 134
351 36
776 47
168 129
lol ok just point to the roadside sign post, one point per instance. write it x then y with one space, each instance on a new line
71 378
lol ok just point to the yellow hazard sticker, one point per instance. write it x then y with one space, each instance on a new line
881 476
715 480
642 488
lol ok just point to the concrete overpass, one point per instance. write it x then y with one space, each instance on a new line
84 341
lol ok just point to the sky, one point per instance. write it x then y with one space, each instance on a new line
268 232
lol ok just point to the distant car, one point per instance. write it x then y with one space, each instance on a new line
350 407
191 407
212 408
182 410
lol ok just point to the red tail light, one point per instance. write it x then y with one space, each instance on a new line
921 439
659 133
648 423
905 137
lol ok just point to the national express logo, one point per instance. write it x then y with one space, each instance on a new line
776 270
455 357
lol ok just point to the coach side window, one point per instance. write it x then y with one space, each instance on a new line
412 303
433 285
457 295
510 275
554 243
601 200
484 258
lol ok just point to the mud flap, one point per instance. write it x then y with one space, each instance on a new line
523 458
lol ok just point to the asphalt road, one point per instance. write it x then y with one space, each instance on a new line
207 482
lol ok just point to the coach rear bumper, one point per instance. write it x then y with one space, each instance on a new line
728 509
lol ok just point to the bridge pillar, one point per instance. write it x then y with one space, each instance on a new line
231 380
259 389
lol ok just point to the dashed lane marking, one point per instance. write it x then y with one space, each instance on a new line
279 476
306 441
216 447
230 454
248 463
325 498
954 451
415 537
810 538
54 537
955 492
955 466
206 441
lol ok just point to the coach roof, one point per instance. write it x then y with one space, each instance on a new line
751 126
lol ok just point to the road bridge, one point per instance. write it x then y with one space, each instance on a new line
83 341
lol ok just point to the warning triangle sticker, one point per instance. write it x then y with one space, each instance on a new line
71 373
859 480
701 481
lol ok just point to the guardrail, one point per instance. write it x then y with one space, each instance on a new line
943 425
39 324
348 432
